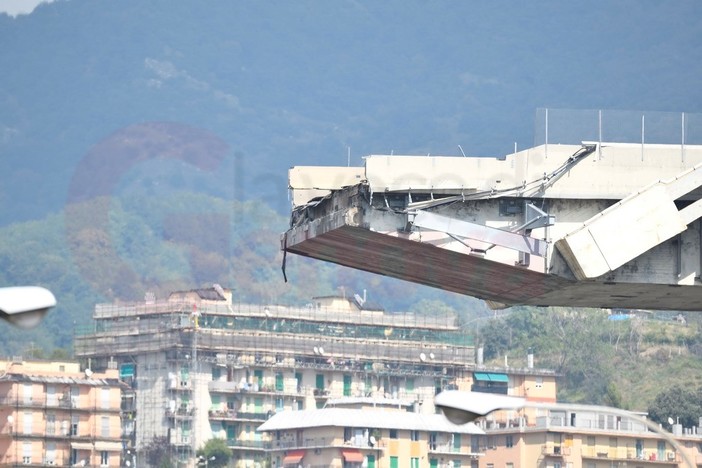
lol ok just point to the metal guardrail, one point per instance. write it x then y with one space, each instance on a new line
573 126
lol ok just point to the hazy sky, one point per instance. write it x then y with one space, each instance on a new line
19 7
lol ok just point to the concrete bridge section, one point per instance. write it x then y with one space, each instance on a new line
594 225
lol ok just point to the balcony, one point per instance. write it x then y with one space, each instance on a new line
218 386
642 457
501 390
447 448
257 417
238 444
222 415
326 442
321 393
239 388
180 413
556 451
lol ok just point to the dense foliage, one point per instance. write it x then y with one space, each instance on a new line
622 363
157 453
682 405
214 454
160 241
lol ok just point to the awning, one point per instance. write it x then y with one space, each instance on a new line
490 377
293 457
82 445
352 456
108 446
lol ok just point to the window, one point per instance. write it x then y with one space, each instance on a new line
393 433
26 452
414 462
409 385
74 425
456 442
105 398
50 424
216 373
394 463
414 435
50 453
105 426
456 463
51 399
509 441
509 465
347 385
104 461
27 393
27 422
539 382
216 400
75 395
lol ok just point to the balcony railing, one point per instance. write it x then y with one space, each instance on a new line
236 387
450 448
180 413
555 450
323 442
628 453
502 390
248 444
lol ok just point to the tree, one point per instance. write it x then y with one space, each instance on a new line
215 452
157 453
681 404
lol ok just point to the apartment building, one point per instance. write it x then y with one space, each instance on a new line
203 366
583 437
369 434
52 413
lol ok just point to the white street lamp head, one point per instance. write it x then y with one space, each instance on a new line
25 306
461 407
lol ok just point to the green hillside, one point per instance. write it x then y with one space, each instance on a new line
624 363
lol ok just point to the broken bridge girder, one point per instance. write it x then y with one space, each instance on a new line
490 235
631 227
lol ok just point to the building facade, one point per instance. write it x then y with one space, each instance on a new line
51 413
582 437
371 435
203 366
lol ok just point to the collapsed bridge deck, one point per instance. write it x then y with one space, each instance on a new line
589 226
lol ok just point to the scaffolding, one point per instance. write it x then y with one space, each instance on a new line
176 343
